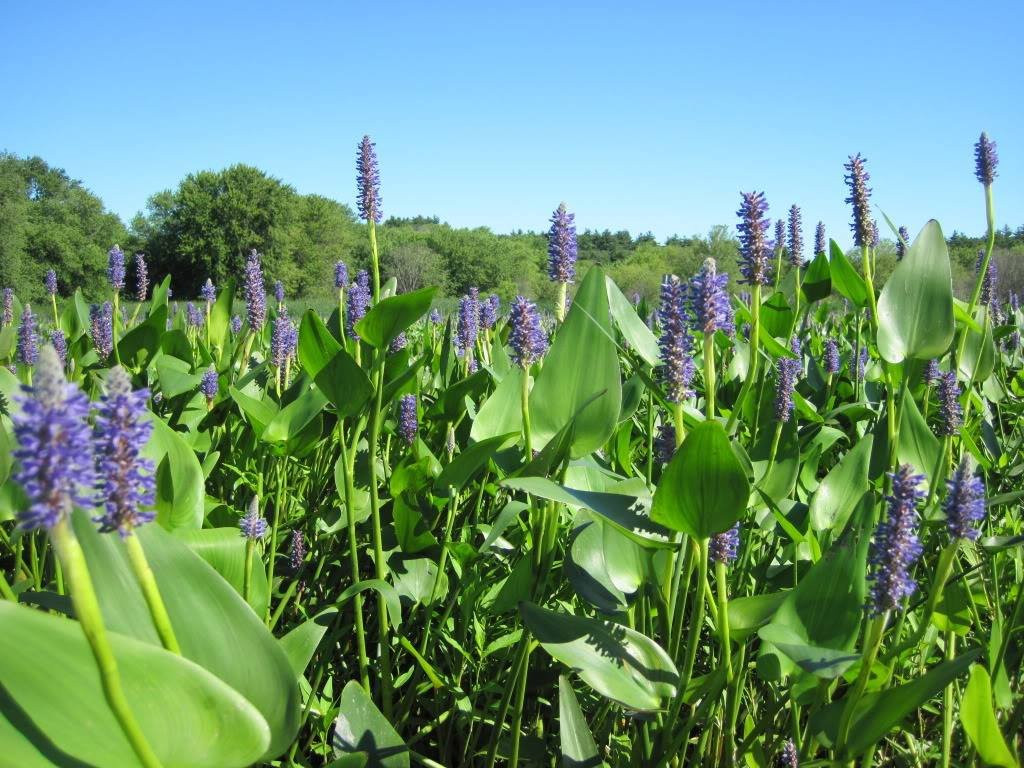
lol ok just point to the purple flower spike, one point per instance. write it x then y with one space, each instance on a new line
665 442
857 178
709 301
101 321
724 547
60 345
950 412
358 302
407 421
279 291
988 283
281 340
489 311
28 341
831 357
876 238
142 278
789 758
819 238
1014 301
796 237
676 369
255 291
965 503
236 324
786 385
435 317
896 546
525 335
298 553
754 250
985 160
115 268
54 453
468 327
400 342
7 310
125 481
340 275
780 234
931 372
562 248
51 282
208 292
193 315
368 182
252 524
208 385
902 242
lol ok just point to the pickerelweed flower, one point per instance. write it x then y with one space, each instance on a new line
28 341
358 302
1012 342
298 551
562 248
1014 301
282 340
709 302
279 291
676 369
125 481
525 334
857 178
60 345
54 454
115 268
236 324
860 363
101 322
340 275
965 503
665 442
255 291
755 257
208 292
208 385
896 546
468 327
950 412
876 238
435 317
931 372
368 182
902 242
400 342
7 309
252 524
193 315
796 237
489 311
142 278
985 160
780 234
788 369
988 282
407 421
51 282
831 357
724 547
819 238
789 757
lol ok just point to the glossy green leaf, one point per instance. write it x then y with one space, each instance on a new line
915 307
747 614
841 490
294 417
916 443
301 642
316 344
583 362
617 662
389 317
979 720
53 711
344 383
466 464
360 727
502 412
180 484
224 550
579 749
845 278
704 489
220 314
979 356
634 330
817 279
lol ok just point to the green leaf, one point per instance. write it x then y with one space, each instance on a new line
345 384
389 317
617 662
301 642
294 417
578 747
915 308
586 569
220 315
360 727
841 490
214 626
137 347
316 344
389 593
633 329
180 484
176 376
260 411
979 720
465 465
704 489
817 282
583 362
53 711
979 356
916 443
224 550
845 279
747 614
502 412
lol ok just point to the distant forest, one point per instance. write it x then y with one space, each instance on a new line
207 225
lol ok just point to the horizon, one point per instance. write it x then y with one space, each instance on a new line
497 151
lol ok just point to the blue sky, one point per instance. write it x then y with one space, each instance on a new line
645 116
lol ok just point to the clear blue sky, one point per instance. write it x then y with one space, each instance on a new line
645 116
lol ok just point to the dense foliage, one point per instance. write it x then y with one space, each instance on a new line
775 526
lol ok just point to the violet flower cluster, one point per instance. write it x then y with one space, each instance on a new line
755 255
208 292
724 547
857 178
831 357
988 282
279 291
50 281
468 326
358 302
709 301
965 503
340 275
819 238
526 337
60 345
985 160
125 480
896 546
407 420
284 340
562 247
676 344
115 268
796 237
368 182
28 340
7 306
253 525
489 311
236 324
950 411
142 278
255 291
208 385
101 322
902 242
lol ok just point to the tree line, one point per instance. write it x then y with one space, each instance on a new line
207 225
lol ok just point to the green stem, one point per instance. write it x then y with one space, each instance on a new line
250 547
375 260
353 556
872 642
722 587
524 401
709 374
87 611
947 704
752 365
150 590
380 571
563 290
